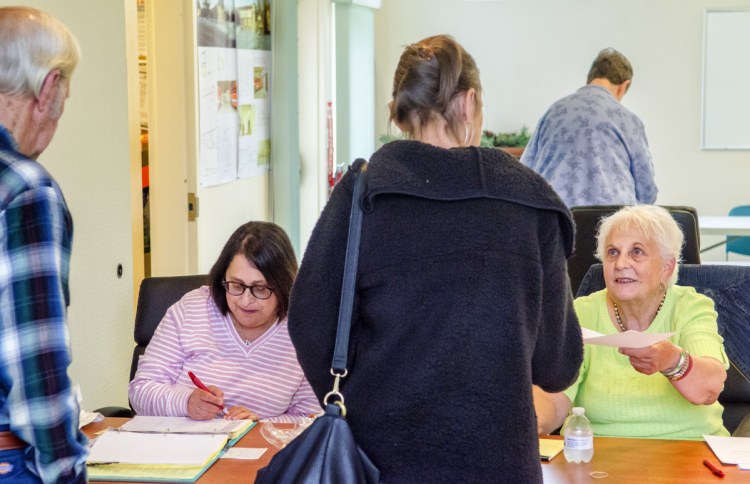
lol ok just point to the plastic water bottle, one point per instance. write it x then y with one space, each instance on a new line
579 437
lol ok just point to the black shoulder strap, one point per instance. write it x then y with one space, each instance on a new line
338 365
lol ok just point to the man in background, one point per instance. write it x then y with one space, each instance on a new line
39 436
589 147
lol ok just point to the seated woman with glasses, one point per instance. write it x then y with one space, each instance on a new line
232 335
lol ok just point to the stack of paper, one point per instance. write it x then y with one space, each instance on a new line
731 450
169 449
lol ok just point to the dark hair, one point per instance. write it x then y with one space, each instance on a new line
611 65
267 246
429 74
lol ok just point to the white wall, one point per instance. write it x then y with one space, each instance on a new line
532 52
92 156
225 207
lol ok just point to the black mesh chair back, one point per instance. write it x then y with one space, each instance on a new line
729 287
587 221
155 296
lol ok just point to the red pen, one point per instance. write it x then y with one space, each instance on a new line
714 470
203 387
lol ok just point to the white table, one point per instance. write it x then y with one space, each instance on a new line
724 225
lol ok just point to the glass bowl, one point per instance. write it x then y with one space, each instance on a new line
279 434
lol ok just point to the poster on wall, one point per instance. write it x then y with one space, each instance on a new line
234 85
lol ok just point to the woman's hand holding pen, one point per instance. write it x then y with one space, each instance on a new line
205 405
207 402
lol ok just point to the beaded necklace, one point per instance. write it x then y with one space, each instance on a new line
619 320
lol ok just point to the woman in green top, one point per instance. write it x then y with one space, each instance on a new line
668 390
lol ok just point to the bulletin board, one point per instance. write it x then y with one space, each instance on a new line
726 80
234 69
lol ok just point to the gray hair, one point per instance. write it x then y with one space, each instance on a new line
32 44
612 65
654 223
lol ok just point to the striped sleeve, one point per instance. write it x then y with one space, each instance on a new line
153 390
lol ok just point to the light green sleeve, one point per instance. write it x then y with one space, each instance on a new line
695 320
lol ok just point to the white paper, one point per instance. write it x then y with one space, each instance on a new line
155 449
85 418
730 450
182 425
627 339
589 333
244 453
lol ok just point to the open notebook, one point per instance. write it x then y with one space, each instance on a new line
162 449
185 425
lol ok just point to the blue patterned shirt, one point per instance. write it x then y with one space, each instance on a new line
593 151
37 402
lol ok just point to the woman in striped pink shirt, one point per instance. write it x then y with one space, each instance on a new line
233 335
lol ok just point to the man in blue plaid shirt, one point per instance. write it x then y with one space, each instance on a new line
39 436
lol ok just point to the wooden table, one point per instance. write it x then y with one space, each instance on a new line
638 461
643 461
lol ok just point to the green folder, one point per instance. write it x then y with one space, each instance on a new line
151 443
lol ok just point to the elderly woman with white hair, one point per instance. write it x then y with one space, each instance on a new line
668 390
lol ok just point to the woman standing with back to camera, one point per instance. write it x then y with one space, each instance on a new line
462 296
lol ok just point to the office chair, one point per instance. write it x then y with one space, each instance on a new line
738 245
155 296
587 221
729 287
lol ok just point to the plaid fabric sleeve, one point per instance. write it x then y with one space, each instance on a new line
40 404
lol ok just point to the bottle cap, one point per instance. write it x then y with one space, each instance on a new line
578 410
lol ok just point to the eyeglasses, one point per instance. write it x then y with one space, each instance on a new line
238 289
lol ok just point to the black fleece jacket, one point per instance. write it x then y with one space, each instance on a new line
462 302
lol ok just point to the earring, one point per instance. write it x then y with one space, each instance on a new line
468 136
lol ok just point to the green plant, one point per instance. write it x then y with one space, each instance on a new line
515 139
387 138
490 139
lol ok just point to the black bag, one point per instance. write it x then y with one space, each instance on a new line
326 452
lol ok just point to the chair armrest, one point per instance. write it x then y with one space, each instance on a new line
116 412
743 429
